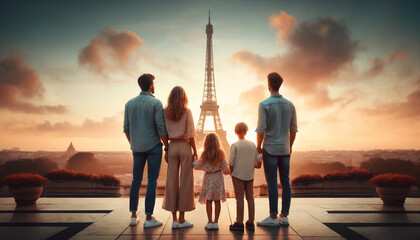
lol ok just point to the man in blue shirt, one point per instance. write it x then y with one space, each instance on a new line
277 127
144 126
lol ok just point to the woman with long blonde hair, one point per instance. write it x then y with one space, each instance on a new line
179 191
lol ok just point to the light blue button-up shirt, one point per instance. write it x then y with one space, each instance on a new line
144 120
276 118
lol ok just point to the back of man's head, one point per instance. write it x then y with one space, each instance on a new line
145 81
274 81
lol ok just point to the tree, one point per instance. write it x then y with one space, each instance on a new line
38 165
379 165
317 168
85 161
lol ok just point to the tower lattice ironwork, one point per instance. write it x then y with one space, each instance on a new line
209 107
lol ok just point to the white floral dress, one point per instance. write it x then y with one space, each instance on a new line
213 187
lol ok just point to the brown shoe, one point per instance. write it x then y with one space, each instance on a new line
250 226
237 227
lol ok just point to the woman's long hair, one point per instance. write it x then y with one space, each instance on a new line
212 152
177 103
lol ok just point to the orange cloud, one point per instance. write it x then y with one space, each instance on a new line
109 50
407 109
401 54
107 127
318 50
284 24
246 106
18 80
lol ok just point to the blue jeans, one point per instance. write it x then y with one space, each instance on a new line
153 158
271 163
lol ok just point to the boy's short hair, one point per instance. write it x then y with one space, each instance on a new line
274 80
145 80
241 128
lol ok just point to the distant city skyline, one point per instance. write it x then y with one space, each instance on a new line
351 68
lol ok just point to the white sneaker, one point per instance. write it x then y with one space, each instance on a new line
209 226
284 221
174 225
215 226
269 222
134 221
152 223
185 224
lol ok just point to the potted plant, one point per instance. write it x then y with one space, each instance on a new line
26 188
393 188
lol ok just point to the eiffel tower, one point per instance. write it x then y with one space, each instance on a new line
209 105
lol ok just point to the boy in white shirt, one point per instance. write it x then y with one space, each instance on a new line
243 159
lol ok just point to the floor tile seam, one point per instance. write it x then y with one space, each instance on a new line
163 228
105 215
221 234
102 219
295 231
105 212
310 214
122 232
319 222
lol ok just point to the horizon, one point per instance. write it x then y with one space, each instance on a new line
313 150
353 80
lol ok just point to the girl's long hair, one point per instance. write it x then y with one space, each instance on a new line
177 103
212 152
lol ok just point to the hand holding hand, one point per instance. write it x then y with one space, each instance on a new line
195 156
260 150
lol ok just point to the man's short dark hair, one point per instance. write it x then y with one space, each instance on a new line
274 81
145 81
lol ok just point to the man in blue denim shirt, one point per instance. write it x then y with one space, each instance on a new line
277 127
144 126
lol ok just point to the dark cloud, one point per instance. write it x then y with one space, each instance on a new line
18 81
377 67
109 50
317 52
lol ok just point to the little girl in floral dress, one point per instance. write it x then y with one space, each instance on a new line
213 162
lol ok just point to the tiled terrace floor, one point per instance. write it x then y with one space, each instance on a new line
310 218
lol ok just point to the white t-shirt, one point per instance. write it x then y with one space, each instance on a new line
243 157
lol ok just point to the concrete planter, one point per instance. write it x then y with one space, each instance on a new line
348 186
26 195
310 188
393 195
334 188
60 188
263 190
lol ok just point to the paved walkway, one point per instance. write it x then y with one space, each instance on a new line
310 218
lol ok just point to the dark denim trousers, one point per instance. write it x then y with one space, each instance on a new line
271 163
153 158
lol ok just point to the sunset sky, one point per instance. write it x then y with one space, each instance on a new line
351 68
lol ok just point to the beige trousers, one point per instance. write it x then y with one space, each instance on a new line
179 191
240 186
